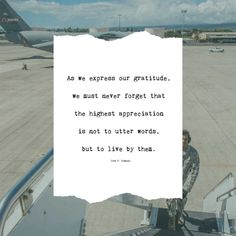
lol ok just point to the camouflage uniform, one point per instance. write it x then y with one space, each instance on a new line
190 173
190 168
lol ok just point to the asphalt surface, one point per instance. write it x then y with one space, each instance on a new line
209 113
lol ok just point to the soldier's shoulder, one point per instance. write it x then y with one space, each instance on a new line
194 151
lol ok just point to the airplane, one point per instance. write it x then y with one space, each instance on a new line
29 208
11 22
18 31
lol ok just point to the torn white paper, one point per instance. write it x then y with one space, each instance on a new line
117 116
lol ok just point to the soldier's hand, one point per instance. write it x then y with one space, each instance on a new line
185 193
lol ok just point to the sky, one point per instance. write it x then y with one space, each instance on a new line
107 13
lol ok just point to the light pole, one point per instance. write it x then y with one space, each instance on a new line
119 15
183 11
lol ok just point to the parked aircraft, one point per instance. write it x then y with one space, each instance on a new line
18 31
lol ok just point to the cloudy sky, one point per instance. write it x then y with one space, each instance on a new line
104 13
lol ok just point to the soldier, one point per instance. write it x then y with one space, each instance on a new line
24 67
190 173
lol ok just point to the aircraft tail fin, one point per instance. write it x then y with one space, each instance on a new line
10 20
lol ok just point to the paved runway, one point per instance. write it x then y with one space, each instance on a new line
26 106
210 115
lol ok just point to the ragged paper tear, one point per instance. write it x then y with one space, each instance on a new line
117 117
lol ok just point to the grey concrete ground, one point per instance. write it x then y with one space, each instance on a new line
209 113
107 216
209 103
26 106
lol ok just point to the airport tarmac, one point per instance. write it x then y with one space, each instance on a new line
26 108
209 113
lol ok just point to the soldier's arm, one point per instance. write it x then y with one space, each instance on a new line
193 173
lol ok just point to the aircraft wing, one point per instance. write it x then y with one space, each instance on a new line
48 46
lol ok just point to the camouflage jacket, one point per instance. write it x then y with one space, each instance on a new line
190 167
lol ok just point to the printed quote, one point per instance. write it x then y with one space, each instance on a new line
117 114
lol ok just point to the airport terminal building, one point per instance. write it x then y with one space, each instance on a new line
218 37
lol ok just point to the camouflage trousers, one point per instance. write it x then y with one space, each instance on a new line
175 207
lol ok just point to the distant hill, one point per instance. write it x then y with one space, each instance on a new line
230 26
